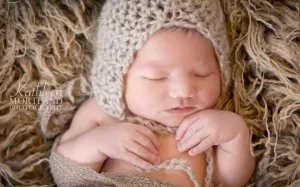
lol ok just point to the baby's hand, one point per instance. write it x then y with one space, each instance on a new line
130 142
202 130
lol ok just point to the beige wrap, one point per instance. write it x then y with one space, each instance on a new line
69 173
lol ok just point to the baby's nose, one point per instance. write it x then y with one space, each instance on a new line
182 89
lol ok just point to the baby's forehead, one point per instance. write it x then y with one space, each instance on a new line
148 66
167 47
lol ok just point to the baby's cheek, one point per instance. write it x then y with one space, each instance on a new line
212 92
153 92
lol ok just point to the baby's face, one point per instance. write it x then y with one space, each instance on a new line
172 76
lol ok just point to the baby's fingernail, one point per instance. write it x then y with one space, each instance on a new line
157 161
191 153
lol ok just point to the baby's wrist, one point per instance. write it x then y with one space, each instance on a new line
240 142
241 139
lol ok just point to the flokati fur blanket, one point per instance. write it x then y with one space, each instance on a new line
47 45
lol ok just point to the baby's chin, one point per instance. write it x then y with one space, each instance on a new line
170 121
167 120
173 122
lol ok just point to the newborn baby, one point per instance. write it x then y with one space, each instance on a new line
175 79
176 90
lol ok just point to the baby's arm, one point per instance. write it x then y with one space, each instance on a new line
229 135
88 143
234 163
88 116
79 143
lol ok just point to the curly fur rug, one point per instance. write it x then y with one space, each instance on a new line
47 45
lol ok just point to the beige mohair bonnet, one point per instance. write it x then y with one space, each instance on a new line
125 25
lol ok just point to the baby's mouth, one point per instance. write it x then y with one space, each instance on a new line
181 110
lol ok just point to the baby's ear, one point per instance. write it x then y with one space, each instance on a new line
134 56
124 81
124 86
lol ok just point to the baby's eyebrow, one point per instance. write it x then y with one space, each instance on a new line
201 62
154 66
159 66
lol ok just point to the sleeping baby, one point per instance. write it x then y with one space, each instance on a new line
160 66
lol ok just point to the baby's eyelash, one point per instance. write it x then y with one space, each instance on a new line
206 75
200 75
159 79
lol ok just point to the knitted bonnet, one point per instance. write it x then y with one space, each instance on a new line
125 25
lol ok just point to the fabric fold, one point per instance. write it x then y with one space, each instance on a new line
67 173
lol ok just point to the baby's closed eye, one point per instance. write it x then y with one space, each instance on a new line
161 77
152 78
154 75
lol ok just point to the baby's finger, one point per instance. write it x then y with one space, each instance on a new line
202 146
185 125
194 128
135 160
192 141
148 133
144 141
142 152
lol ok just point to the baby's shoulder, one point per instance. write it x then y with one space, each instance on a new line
90 111
88 116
